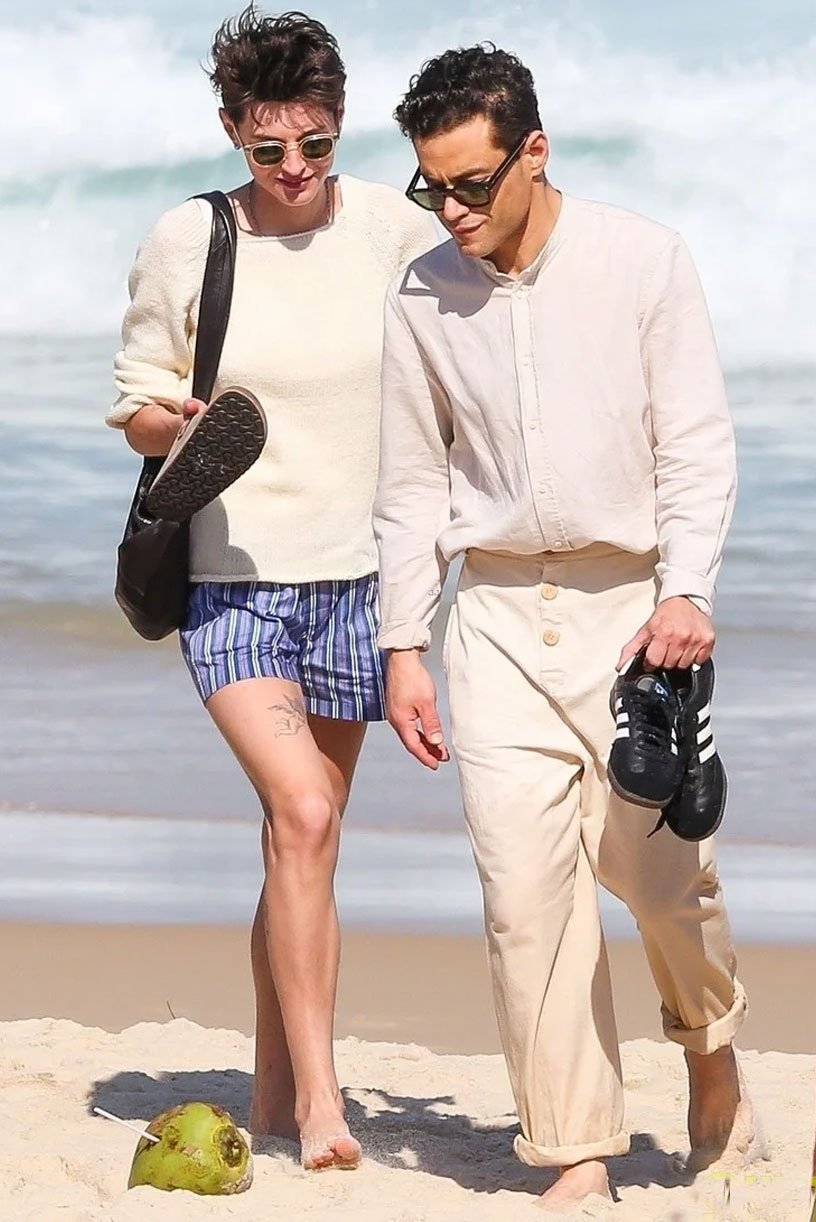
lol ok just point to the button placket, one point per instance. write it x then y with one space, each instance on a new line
534 438
551 622
525 375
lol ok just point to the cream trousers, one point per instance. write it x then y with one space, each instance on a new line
530 653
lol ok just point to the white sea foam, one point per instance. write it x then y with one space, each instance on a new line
122 124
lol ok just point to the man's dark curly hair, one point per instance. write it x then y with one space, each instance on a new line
459 85
290 58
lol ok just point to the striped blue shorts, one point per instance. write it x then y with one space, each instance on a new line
320 634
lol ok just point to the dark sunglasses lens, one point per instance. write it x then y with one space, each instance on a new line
432 201
475 196
317 148
272 153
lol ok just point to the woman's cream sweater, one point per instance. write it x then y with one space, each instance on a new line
305 336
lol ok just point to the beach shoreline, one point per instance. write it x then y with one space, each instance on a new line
428 989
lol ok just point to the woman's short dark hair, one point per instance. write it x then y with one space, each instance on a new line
459 85
290 58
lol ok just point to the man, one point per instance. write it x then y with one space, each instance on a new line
554 409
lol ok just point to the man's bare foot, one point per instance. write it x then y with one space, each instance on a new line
720 1116
575 1184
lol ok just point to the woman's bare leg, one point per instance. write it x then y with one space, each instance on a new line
273 1102
302 770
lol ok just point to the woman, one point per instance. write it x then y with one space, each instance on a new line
281 627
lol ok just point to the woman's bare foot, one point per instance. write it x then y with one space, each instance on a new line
575 1184
338 1150
720 1116
275 1118
325 1140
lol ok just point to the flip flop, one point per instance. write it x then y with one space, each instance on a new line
212 451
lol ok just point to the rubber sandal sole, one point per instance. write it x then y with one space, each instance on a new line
221 447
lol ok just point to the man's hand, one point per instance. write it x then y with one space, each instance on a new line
677 635
411 708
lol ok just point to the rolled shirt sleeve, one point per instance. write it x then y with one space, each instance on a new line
694 448
155 362
412 501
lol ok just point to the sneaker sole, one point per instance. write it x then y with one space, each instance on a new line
714 827
228 438
633 799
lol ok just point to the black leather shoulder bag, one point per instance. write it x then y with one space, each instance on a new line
152 571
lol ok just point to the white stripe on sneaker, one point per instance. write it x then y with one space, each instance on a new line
709 751
704 735
704 712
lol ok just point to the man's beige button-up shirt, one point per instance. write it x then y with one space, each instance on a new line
580 402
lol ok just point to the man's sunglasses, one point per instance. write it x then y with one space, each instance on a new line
272 152
470 194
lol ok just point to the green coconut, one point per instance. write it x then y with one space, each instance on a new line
199 1149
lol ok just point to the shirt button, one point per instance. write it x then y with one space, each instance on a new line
533 424
551 637
549 592
559 545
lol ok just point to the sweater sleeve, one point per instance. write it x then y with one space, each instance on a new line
412 503
695 464
397 229
419 236
155 362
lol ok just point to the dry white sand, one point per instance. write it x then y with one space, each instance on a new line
437 1131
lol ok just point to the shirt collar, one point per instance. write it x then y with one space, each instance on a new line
530 274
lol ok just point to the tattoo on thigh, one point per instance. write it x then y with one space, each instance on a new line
291 716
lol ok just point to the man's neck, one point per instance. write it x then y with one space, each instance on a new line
525 246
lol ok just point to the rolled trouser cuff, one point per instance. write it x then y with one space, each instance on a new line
568 1156
718 1034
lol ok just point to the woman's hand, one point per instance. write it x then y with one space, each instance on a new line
152 430
191 408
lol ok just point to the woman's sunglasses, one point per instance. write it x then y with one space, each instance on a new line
470 194
272 152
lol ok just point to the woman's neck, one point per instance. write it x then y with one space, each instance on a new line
269 218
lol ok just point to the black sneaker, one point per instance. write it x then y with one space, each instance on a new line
697 809
645 765
212 451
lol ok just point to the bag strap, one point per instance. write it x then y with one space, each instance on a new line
213 311
216 295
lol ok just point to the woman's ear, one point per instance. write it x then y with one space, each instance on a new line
229 128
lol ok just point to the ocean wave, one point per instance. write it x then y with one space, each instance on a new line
727 154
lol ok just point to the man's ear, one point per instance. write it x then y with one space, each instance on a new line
340 113
538 151
229 128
